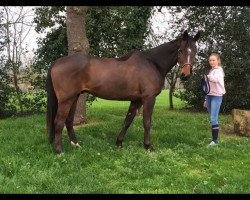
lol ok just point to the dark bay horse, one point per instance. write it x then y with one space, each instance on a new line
137 77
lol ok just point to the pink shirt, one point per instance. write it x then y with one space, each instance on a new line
216 81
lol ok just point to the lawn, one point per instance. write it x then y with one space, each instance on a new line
182 162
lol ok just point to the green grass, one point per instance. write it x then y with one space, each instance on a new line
182 162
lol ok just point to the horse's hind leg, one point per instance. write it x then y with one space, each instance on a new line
134 105
69 124
62 113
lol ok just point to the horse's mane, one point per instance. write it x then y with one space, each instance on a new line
126 56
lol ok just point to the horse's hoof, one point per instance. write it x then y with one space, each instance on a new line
59 152
75 144
149 148
119 143
72 143
78 145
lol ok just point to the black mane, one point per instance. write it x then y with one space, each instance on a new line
164 56
126 56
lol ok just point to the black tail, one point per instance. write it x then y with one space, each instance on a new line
51 107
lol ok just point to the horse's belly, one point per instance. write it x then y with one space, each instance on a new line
115 92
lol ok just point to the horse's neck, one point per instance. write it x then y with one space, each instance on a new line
164 57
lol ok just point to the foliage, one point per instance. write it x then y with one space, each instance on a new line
226 31
14 28
33 100
129 29
6 109
5 90
182 163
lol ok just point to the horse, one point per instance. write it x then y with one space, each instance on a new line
137 77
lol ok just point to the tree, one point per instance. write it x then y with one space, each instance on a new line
78 42
16 29
172 78
3 82
226 31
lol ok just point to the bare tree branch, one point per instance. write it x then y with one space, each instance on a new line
17 28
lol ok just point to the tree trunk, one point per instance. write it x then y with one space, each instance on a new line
171 91
78 42
172 79
15 79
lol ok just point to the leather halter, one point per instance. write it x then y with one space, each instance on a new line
191 66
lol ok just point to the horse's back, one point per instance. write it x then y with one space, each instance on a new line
75 60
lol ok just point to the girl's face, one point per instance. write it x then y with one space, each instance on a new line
213 61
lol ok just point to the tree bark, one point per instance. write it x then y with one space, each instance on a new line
172 79
171 91
78 42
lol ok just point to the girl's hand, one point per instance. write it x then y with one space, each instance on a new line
205 104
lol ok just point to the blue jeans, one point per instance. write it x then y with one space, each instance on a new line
213 108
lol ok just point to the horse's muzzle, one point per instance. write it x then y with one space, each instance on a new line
185 78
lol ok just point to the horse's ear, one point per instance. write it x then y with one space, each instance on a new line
197 36
185 35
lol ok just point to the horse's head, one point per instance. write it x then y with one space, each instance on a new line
186 54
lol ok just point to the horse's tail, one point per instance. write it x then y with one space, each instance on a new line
51 107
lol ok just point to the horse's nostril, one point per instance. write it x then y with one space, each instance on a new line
182 77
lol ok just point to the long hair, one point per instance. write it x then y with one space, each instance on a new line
218 59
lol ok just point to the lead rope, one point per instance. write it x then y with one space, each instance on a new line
205 84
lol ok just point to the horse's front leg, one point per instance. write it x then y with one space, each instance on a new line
148 106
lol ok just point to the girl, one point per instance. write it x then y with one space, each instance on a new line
214 98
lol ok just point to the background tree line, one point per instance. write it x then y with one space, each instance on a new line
114 31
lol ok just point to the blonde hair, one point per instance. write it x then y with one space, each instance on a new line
218 58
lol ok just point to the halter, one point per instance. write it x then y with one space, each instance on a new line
205 84
188 63
191 66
